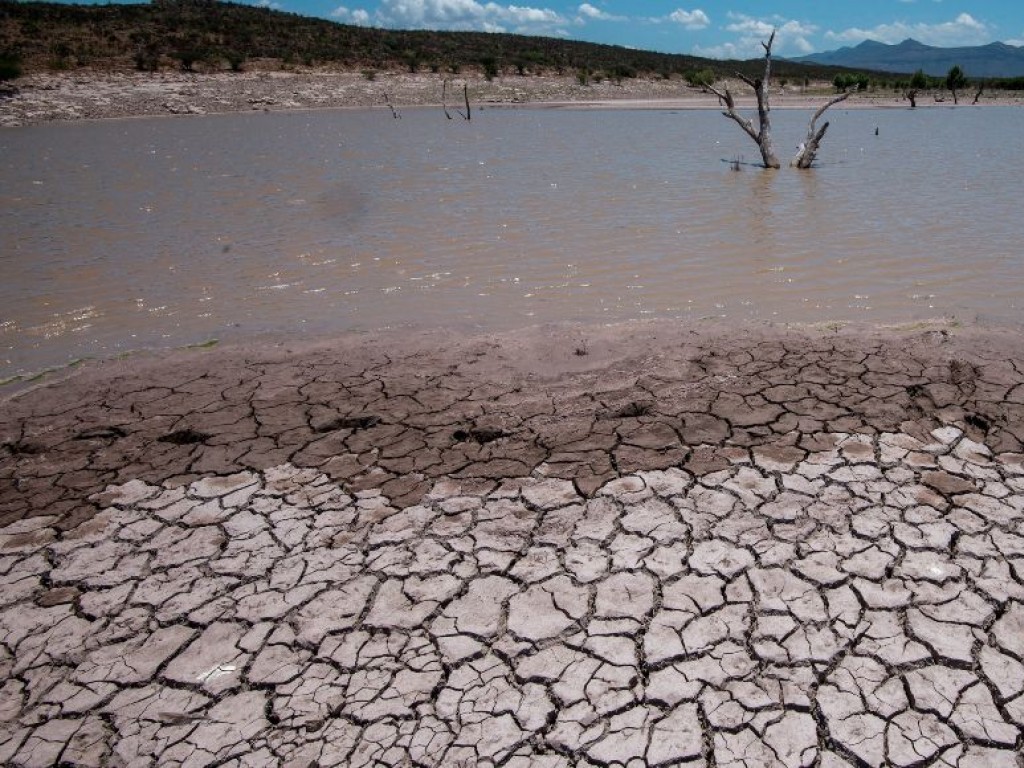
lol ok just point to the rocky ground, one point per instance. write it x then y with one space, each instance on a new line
85 94
69 96
645 545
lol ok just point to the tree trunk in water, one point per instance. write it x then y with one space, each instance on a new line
809 148
444 98
762 136
468 114
912 95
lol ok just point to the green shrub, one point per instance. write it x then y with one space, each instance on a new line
490 65
147 59
846 80
235 59
188 59
956 80
698 78
10 66
624 71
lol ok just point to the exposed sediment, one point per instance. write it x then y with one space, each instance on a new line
46 97
641 545
88 94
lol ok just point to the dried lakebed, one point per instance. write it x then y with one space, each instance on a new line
680 548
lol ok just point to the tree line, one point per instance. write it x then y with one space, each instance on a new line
955 81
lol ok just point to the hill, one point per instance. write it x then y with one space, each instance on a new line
992 60
211 34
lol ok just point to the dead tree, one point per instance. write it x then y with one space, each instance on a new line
809 148
394 112
763 135
444 98
467 115
981 90
917 83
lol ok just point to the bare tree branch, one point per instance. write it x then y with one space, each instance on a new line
981 90
747 80
821 110
809 148
730 109
722 96
761 135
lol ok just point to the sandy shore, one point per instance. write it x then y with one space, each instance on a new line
563 546
95 95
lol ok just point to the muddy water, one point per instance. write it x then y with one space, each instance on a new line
121 235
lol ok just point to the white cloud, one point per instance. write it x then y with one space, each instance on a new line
963 30
357 16
695 19
791 37
469 15
586 12
591 12
269 4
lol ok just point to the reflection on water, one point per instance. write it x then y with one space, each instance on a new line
121 235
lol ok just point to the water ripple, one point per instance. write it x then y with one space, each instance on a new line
177 231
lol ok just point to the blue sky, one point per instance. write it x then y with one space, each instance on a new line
715 28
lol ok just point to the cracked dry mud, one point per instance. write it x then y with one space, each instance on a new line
706 549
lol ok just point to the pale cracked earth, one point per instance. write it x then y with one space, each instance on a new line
755 549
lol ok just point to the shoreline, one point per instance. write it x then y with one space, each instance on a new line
53 97
20 384
556 354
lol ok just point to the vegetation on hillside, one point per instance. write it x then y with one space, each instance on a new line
194 34
10 67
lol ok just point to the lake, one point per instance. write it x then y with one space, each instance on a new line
168 232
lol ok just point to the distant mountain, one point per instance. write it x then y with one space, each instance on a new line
992 60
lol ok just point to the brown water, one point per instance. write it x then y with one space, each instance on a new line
166 232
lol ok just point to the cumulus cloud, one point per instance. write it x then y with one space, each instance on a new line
586 11
695 19
355 16
963 30
468 15
792 37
